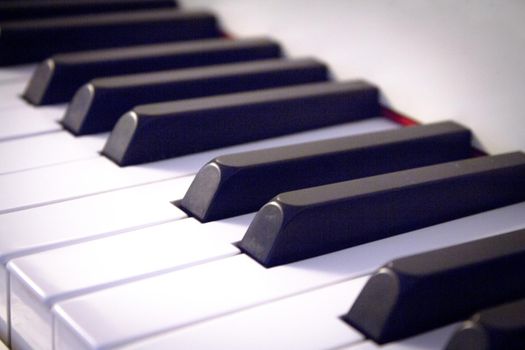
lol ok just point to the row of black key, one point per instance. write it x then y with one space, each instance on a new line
31 9
401 201
58 77
30 41
98 105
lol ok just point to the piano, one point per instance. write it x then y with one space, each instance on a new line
142 209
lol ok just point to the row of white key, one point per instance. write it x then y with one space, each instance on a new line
56 225
76 179
197 293
305 321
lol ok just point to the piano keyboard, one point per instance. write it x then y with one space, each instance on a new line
211 193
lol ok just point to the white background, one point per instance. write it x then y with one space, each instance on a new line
433 59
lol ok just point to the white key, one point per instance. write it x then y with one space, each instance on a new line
17 122
48 149
304 321
24 120
21 73
11 92
38 281
76 179
122 315
57 225
53 113
433 340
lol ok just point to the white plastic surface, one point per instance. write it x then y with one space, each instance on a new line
4 291
20 72
108 262
11 91
76 179
433 340
18 118
15 123
305 321
121 315
127 255
57 225
50 112
51 226
48 149
34 313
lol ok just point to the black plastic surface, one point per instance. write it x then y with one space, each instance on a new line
164 130
35 40
112 97
33 9
59 77
246 181
417 293
499 328
327 218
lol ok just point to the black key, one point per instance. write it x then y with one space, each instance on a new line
417 293
241 183
310 222
98 105
57 78
32 9
499 328
164 130
30 41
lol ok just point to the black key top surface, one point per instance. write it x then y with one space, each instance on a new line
33 9
424 291
98 105
30 41
241 183
57 78
498 328
164 130
306 223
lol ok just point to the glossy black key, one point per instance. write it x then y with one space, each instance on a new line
164 130
57 78
30 41
306 223
32 9
414 294
98 105
498 328
236 184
